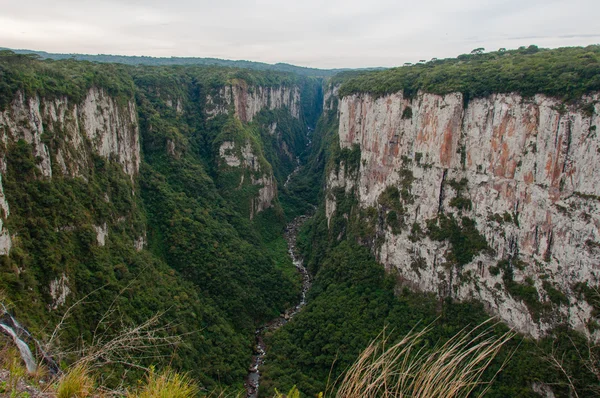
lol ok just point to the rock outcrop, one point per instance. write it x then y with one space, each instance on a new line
96 124
244 157
247 100
99 124
523 169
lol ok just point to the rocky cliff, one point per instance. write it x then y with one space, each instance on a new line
249 100
118 184
495 200
244 102
98 124
244 157
64 135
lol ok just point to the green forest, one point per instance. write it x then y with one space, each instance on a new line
565 73
187 61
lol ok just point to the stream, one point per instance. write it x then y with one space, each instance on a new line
19 335
253 379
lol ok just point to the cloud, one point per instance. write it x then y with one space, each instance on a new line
336 33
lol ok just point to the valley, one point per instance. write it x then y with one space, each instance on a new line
277 222
252 383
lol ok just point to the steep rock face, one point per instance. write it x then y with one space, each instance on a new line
5 242
245 158
249 100
64 134
524 169
59 291
266 193
330 97
112 129
97 124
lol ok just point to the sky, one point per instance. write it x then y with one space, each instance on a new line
315 33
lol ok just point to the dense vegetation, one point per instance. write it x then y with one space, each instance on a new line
566 73
188 61
352 300
212 272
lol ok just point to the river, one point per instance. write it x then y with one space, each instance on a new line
253 379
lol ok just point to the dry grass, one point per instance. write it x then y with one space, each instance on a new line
167 384
76 383
409 369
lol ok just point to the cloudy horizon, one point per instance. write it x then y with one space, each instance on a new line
337 34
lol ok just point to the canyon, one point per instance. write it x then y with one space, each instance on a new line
149 190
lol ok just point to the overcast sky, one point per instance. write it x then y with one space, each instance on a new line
317 33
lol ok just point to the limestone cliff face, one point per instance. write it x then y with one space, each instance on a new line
247 100
96 125
245 158
529 170
330 97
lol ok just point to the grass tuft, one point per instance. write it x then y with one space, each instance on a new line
167 384
409 369
76 383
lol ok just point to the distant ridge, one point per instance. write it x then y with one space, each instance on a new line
163 61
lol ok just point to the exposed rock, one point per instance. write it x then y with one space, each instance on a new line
330 97
5 241
101 234
531 169
59 291
246 158
171 149
543 389
266 194
236 157
247 100
272 128
140 242
177 104
111 129
22 387
24 120
227 153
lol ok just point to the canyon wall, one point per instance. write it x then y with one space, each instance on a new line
245 158
249 100
98 124
524 170
64 135
246 102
